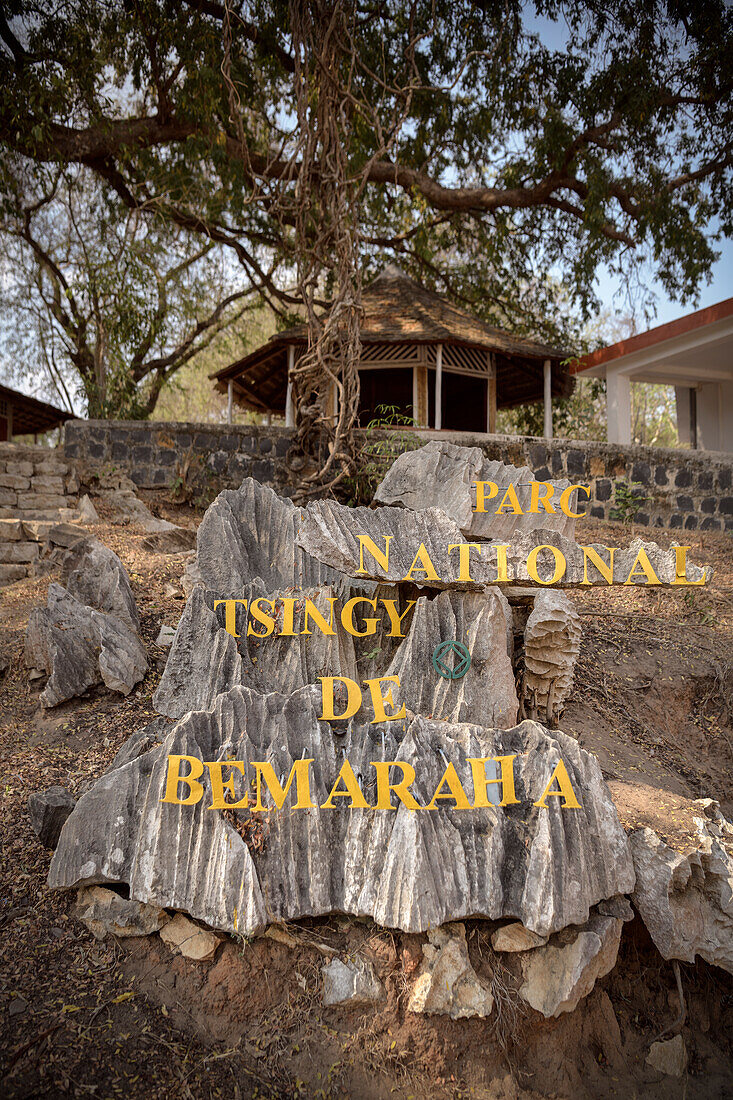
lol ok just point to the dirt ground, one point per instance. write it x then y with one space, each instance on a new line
653 699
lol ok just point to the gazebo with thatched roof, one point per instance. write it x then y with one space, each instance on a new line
432 361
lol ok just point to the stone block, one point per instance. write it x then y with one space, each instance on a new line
19 552
48 811
575 464
47 483
263 470
691 523
37 529
685 504
96 450
711 524
557 464
20 469
705 480
676 520
8 497
597 511
14 481
596 465
725 507
282 445
10 530
642 519
142 454
71 449
603 488
265 445
543 474
52 466
41 501
683 479
661 477
10 573
188 939
162 476
708 505
167 457
724 479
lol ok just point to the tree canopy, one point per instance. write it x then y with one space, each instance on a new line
496 151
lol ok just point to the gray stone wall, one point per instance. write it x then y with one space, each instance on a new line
35 482
678 488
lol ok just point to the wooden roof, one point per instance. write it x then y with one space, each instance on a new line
397 310
30 415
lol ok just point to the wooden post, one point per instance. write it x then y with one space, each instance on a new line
548 399
422 388
229 401
491 395
439 387
289 407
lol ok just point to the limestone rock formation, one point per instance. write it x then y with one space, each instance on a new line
551 647
104 911
250 532
185 937
556 977
686 900
668 1056
447 984
95 576
205 660
78 647
350 982
442 475
486 694
408 869
515 937
48 810
330 532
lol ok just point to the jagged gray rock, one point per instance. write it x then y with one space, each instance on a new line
330 532
78 647
205 660
48 810
487 693
105 911
406 869
352 981
558 976
551 648
250 532
686 899
447 984
95 576
443 475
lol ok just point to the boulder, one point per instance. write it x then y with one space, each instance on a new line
185 937
48 811
486 694
351 981
94 575
442 475
407 869
330 532
249 533
106 912
86 511
78 647
205 660
556 977
551 648
515 937
128 507
686 899
668 1056
447 984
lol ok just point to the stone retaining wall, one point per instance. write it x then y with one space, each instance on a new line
35 482
678 488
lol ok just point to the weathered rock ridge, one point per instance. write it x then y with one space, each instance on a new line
412 870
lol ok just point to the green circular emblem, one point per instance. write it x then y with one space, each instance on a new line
461 661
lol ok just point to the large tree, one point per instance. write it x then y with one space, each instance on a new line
487 146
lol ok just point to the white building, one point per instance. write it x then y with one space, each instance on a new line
695 355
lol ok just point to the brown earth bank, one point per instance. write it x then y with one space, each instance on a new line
653 699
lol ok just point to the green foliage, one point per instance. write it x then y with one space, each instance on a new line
382 442
514 153
629 498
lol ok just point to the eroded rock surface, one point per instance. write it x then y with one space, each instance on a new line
486 694
443 475
104 911
48 811
551 647
557 976
78 647
406 869
352 981
447 984
330 532
95 576
686 900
